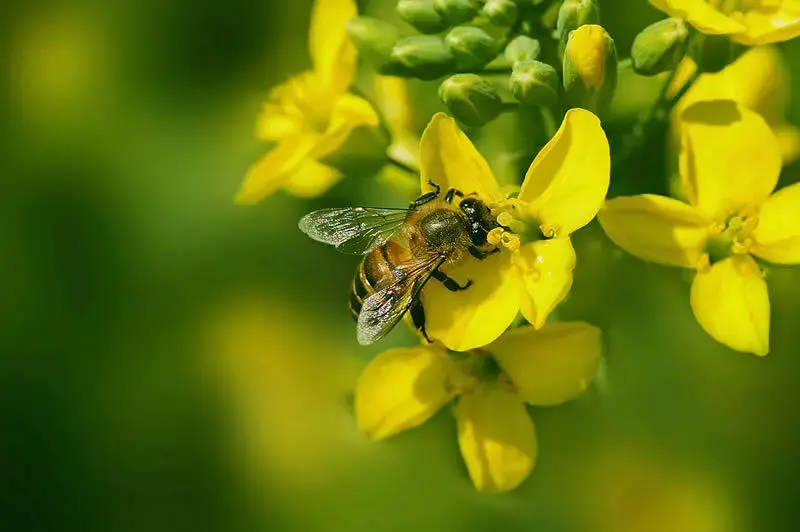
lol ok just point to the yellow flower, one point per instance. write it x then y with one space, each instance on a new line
563 190
759 80
402 388
729 167
310 116
746 21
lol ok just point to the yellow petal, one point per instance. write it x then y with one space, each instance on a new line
656 229
729 157
545 268
474 317
272 170
279 118
701 14
789 142
332 53
496 438
758 80
567 182
449 159
731 303
767 25
777 236
401 389
551 365
349 112
311 179
272 125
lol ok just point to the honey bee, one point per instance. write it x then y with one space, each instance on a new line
403 249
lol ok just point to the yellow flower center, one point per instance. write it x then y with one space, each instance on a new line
732 236
305 97
479 367
515 229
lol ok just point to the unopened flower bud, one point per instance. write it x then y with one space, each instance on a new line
712 53
471 99
374 38
659 47
522 48
456 11
534 83
421 56
574 14
501 12
472 47
422 15
590 68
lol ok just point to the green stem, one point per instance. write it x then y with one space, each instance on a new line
684 89
655 115
549 121
401 165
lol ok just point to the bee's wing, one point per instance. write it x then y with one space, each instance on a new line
385 308
353 230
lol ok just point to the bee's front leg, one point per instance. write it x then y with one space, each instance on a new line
452 193
479 254
428 196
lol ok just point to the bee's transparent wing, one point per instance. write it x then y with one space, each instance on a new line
385 308
353 230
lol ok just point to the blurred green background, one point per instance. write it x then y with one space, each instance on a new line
171 361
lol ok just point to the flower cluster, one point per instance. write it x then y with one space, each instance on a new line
722 105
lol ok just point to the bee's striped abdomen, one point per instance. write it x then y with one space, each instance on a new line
375 272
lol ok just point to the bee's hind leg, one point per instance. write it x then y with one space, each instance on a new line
418 318
449 282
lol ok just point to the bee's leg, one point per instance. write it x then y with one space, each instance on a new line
417 312
480 255
428 196
449 282
448 197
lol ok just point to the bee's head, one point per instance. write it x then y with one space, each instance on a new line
480 219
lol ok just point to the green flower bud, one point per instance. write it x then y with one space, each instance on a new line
422 15
574 14
421 56
523 48
471 99
456 11
374 38
501 12
535 83
590 68
659 47
472 47
712 53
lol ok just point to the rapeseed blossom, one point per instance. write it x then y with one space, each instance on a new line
759 80
404 387
729 166
562 191
311 115
748 22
